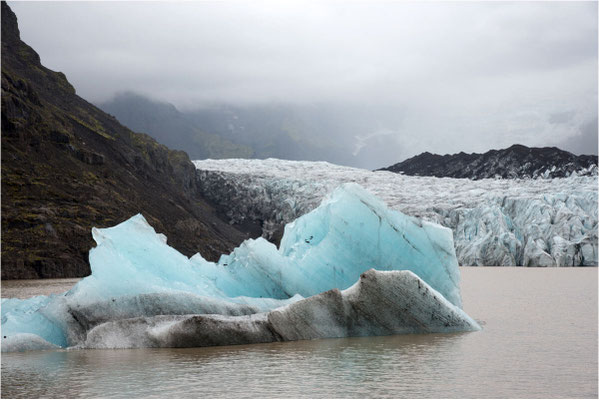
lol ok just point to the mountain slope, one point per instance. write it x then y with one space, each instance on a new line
516 161
67 166
171 127
249 131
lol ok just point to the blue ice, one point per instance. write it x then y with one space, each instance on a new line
351 232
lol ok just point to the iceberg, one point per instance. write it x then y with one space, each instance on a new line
350 267
380 303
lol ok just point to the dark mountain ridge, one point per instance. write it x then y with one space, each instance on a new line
68 166
517 161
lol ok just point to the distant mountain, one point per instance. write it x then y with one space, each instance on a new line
516 161
67 167
251 131
171 127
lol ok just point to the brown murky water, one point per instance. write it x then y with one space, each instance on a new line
539 341
26 288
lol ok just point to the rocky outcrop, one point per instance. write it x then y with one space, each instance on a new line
516 161
67 166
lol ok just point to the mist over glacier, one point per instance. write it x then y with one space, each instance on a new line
396 78
528 222
350 267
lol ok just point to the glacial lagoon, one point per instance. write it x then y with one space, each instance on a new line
539 340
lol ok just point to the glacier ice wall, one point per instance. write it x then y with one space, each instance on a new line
531 222
137 277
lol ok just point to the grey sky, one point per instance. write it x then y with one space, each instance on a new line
453 76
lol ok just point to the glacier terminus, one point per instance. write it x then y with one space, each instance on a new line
543 222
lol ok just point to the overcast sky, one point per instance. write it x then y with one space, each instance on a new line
452 77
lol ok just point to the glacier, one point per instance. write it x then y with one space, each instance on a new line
350 267
525 222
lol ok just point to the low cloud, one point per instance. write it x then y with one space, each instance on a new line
447 76
585 142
